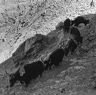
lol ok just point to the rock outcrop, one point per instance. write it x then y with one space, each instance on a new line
31 47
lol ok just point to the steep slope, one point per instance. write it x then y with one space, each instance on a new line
76 74
24 20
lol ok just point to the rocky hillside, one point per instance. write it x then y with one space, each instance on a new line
76 75
27 42
20 21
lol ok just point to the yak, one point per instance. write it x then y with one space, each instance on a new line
32 71
75 32
71 46
67 24
78 20
76 35
55 58
66 51
79 40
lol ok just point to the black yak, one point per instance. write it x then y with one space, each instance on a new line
66 51
79 40
32 71
78 20
14 77
75 32
76 35
55 58
72 46
67 24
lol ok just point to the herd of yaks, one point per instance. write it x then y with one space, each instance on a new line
35 69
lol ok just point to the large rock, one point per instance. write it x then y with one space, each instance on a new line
30 47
